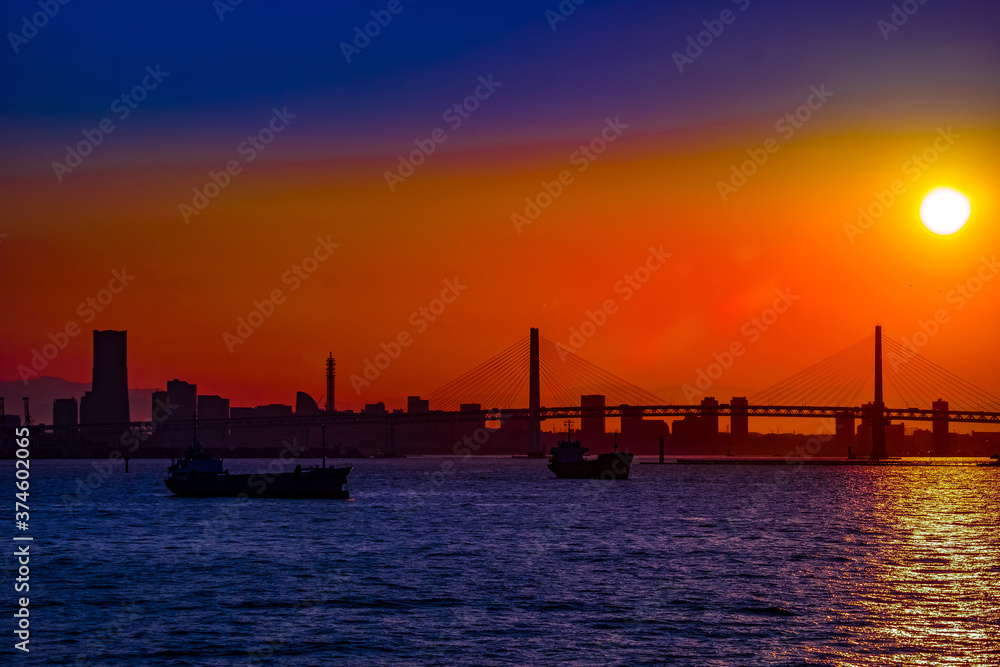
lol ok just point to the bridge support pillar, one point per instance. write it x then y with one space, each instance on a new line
739 423
534 399
939 434
878 409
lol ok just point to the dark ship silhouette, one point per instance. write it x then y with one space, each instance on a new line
201 475
567 461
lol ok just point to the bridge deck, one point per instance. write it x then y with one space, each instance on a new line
523 414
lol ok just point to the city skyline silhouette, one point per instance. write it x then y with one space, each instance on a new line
521 217
829 399
521 332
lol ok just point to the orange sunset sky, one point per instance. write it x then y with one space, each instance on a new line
792 226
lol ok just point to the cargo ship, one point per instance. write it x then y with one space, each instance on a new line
201 475
568 461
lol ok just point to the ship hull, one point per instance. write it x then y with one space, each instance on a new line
325 483
605 466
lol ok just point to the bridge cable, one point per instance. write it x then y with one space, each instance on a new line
808 383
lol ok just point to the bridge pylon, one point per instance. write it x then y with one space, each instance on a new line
534 399
878 409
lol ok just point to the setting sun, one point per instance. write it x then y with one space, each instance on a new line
543 332
945 210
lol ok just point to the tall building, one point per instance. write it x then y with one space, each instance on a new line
175 431
894 437
107 400
467 428
845 433
710 416
865 437
642 435
939 439
417 404
700 430
64 412
185 396
211 408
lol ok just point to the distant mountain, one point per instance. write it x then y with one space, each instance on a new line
43 391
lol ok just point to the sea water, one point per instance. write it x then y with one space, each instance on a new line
493 561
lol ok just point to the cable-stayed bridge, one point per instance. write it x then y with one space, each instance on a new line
829 388
577 389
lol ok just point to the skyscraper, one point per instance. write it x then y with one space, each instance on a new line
107 400
177 429
185 396
739 423
212 408
64 412
592 426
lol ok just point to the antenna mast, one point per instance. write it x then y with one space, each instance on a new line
331 373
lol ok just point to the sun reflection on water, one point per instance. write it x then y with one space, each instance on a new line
933 570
